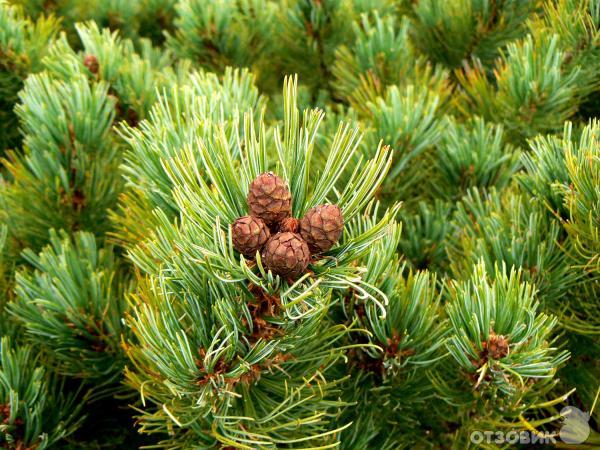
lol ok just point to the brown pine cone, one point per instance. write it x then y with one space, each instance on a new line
91 63
249 234
286 254
269 198
321 227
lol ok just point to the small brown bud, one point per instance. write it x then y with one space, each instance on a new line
497 346
91 63
289 224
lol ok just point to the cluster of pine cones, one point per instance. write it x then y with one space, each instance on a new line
286 243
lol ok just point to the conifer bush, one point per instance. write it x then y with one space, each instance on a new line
264 224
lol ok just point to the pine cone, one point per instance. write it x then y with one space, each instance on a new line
249 234
321 227
91 63
286 254
269 198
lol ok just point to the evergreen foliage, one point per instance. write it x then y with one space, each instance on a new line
36 412
75 286
23 43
